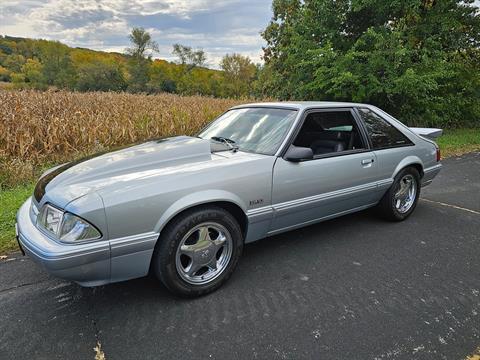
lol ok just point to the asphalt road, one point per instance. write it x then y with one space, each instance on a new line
351 288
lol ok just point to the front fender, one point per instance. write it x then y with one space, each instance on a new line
197 198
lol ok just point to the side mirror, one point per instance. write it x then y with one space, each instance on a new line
297 154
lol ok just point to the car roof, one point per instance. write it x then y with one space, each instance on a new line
302 105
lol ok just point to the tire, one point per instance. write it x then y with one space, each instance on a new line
389 205
208 238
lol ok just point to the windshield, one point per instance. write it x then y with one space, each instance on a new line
259 130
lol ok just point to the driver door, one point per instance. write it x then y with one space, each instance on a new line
341 177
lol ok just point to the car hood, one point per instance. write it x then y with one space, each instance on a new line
70 181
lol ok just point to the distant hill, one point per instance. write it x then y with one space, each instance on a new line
42 64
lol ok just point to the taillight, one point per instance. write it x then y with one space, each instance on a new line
438 154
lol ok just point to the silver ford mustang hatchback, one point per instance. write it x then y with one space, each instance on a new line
183 207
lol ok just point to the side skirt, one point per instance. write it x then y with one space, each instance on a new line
297 226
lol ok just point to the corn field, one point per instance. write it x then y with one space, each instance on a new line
43 128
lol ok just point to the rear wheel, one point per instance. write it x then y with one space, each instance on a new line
198 251
401 199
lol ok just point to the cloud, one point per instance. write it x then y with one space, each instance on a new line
219 27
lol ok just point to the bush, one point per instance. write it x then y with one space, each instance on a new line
418 60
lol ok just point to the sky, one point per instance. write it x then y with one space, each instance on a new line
218 27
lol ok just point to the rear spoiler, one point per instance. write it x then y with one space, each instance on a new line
429 133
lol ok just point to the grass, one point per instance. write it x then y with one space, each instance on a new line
459 141
10 201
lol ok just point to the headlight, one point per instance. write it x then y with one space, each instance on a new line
65 226
76 229
50 219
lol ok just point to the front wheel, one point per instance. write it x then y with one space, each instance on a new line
198 251
401 199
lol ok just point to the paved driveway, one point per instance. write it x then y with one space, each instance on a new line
351 288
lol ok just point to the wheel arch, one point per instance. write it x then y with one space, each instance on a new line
225 200
409 161
419 168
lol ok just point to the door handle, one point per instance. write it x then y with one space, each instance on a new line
367 161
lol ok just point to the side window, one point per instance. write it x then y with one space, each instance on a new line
381 132
328 132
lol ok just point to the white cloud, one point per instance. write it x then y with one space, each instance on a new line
215 26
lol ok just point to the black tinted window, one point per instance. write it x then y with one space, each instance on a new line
381 132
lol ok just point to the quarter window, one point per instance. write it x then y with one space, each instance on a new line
381 132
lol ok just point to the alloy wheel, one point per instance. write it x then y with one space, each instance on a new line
404 197
204 253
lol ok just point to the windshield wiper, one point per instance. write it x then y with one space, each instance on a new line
229 142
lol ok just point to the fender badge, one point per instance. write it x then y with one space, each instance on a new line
256 202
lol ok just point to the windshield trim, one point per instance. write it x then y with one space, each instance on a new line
264 107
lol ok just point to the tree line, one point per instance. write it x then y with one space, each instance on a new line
40 64
417 59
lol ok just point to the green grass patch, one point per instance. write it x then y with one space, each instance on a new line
459 141
10 201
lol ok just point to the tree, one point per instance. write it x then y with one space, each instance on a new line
14 62
188 57
5 48
138 66
57 65
200 81
163 77
192 80
33 72
239 73
141 43
4 74
138 74
418 60
18 79
100 76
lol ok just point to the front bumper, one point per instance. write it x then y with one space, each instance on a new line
87 264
